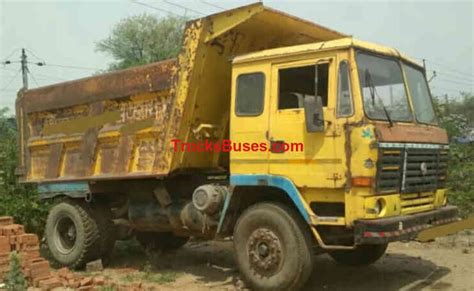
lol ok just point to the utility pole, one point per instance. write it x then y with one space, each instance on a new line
24 68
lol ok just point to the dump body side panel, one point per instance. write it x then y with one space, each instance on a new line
111 125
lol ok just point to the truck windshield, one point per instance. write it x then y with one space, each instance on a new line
383 89
420 95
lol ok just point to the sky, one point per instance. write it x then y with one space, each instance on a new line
63 34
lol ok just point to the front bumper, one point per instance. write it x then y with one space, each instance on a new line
384 230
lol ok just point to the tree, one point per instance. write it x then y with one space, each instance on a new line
143 39
18 200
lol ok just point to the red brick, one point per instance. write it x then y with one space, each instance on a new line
40 269
70 276
50 283
12 229
86 281
63 272
6 220
5 258
36 281
100 280
73 284
28 239
4 244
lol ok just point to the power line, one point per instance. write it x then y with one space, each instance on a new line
213 5
437 88
11 80
7 69
31 52
455 82
156 8
449 68
67 66
457 76
34 79
183 7
51 77
11 54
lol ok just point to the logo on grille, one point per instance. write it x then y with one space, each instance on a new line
423 168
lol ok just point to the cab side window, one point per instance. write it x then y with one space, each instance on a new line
297 83
250 94
344 96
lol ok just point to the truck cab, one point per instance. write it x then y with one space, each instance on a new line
352 140
370 147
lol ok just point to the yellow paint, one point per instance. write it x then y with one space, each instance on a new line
81 124
216 50
447 229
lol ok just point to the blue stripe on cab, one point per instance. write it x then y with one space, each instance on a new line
280 182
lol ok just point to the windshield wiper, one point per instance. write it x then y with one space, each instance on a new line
373 93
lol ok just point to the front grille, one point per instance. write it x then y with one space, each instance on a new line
411 168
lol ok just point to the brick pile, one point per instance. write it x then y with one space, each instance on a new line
36 269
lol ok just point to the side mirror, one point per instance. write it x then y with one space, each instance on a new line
314 115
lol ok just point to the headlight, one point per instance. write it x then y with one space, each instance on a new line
379 206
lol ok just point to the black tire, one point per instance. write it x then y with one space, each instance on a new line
363 255
107 233
160 241
72 234
273 247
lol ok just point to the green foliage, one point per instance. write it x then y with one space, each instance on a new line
461 178
143 39
457 117
18 200
15 280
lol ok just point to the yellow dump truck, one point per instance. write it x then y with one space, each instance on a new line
290 137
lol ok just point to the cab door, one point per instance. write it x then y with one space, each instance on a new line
308 159
249 120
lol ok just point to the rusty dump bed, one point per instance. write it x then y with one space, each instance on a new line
120 125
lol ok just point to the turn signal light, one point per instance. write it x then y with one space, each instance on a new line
362 181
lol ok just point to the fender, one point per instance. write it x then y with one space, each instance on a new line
280 182
69 189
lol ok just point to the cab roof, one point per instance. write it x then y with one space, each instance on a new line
342 43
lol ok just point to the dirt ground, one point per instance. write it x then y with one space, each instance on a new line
447 264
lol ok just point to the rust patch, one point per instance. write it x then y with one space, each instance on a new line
80 125
88 150
411 133
124 154
55 152
147 78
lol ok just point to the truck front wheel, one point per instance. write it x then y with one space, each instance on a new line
72 234
361 256
273 247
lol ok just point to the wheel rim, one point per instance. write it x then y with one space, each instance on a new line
265 252
65 235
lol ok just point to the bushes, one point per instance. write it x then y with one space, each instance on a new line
456 117
15 280
461 178
17 200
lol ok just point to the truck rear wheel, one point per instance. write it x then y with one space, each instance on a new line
273 247
72 234
160 241
363 255
107 232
